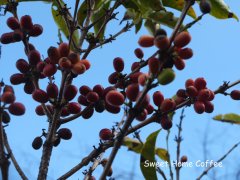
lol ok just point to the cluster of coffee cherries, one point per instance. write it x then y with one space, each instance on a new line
21 30
8 103
200 95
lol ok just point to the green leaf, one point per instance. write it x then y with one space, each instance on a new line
3 2
162 154
151 26
178 5
148 154
229 118
59 20
155 5
82 13
221 10
133 144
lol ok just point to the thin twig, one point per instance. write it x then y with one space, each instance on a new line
169 157
161 173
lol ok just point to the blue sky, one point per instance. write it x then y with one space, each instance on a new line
216 57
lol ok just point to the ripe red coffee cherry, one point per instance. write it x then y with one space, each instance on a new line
162 42
185 53
6 117
203 95
146 41
65 112
134 66
8 88
118 64
134 77
189 82
74 108
165 122
106 90
112 109
34 57
192 91
64 133
78 68
113 78
150 109
37 143
142 116
158 98
65 63
52 90
142 79
235 95
200 83
182 39
154 65
86 63
7 38
212 95
26 22
183 159
167 105
84 90
83 100
199 107
92 97
13 23
179 64
138 53
99 106
88 114
64 49
132 91
181 93
29 87
17 109
160 32
98 89
39 110
17 35
22 65
106 134
17 78
115 98
73 57
53 54
205 6
8 97
37 30
209 107
70 92
56 142
49 70
40 96
179 100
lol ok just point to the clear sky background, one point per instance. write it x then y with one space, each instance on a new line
216 57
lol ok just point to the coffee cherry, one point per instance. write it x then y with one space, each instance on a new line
199 107
183 159
13 23
83 100
8 88
209 107
29 87
106 134
118 64
65 63
165 122
132 91
167 105
8 97
158 98
73 108
113 78
205 6
142 116
166 76
138 53
200 83
112 109
17 78
70 92
49 70
86 63
146 41
212 95
181 93
63 49
22 65
88 114
53 54
40 66
189 82
56 142
73 57
142 79
115 98
65 112
92 97
150 109
39 110
7 38
235 95
99 106
154 65
178 100
182 39
203 95
162 42
17 35
84 90
64 133
106 90
34 57
134 66
16 109
26 23
98 89
179 64
78 68
40 96
52 90
192 91
134 77
37 30
37 143
160 32
185 53
5 117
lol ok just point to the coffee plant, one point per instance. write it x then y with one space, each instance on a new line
49 78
